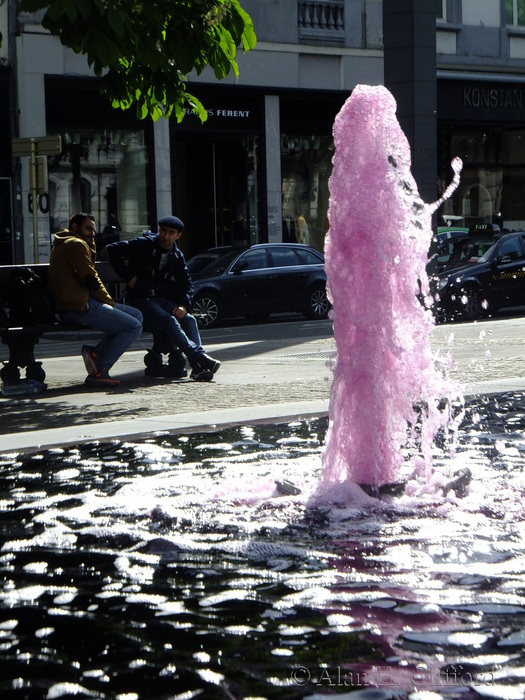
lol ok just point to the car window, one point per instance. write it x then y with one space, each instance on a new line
445 252
511 248
308 257
468 250
255 259
284 257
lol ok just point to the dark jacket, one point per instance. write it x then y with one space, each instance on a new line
141 258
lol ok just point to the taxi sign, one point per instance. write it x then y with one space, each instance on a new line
484 228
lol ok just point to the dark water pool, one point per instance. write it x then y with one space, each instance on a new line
175 569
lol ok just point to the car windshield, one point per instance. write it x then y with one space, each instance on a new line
212 263
487 254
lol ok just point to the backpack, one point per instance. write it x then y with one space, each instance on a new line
30 301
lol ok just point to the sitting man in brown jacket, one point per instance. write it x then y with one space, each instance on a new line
81 297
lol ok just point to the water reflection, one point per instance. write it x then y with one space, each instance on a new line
175 568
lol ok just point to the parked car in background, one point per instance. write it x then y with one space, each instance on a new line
465 246
483 273
442 245
258 281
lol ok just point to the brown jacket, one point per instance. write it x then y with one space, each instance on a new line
72 274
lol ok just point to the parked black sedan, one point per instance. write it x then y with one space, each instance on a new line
480 279
258 281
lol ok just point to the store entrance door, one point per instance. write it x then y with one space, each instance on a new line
217 191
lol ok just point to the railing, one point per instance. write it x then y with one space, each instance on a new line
321 21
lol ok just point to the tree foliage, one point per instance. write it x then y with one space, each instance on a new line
145 49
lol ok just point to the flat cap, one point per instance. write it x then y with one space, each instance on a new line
171 222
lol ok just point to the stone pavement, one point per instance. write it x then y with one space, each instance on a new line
258 380
274 379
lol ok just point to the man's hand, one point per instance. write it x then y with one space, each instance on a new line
179 312
132 282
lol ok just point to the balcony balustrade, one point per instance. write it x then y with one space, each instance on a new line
321 21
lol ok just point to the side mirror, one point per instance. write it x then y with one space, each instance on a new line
504 259
240 266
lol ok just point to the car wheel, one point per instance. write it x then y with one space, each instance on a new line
207 309
471 303
317 304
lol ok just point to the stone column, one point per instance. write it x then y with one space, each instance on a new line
273 169
409 36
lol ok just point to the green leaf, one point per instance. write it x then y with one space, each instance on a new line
85 8
115 21
249 39
197 107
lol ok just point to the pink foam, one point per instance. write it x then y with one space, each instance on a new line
376 252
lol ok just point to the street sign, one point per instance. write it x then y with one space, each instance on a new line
35 147
39 145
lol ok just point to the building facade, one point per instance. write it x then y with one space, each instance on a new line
481 108
257 170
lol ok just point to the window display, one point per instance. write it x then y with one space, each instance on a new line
493 176
306 164
103 172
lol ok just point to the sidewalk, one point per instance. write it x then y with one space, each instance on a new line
263 380
257 381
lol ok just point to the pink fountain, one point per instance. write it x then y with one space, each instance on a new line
387 390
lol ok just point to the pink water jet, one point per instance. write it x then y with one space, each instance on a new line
386 390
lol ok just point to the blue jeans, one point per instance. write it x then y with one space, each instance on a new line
120 324
182 334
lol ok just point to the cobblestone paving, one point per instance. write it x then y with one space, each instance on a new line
143 400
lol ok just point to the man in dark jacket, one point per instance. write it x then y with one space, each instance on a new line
160 286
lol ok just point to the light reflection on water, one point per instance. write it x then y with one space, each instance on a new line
175 568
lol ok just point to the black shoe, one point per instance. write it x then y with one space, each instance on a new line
153 359
206 362
198 374
204 369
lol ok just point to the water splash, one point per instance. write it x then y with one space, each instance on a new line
385 377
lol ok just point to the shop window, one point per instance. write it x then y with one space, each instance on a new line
515 12
306 165
492 183
475 146
513 146
103 172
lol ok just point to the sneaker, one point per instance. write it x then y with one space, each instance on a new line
89 355
207 362
101 379
198 374
204 369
